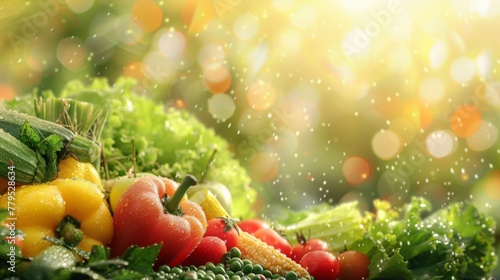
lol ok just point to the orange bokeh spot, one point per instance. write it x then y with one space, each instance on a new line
136 70
414 110
264 167
261 96
492 185
7 92
356 170
216 79
196 14
147 14
466 120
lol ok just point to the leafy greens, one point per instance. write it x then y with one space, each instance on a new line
169 142
455 242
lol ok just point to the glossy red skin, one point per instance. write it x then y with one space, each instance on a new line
320 264
252 225
353 265
218 227
210 249
271 237
299 250
139 219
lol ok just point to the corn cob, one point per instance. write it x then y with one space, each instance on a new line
251 247
29 166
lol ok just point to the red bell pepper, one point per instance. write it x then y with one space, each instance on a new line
141 218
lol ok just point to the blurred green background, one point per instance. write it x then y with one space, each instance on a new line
320 100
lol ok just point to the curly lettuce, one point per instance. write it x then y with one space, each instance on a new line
168 141
455 242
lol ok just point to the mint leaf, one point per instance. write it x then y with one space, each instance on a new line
141 259
49 148
29 136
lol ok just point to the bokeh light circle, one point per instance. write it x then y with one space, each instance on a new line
438 54
246 26
71 53
211 55
462 69
356 170
485 137
221 106
147 15
465 120
79 6
126 30
172 44
216 79
386 144
441 143
264 167
432 90
260 96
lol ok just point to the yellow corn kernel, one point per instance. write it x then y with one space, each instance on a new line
252 248
211 206
258 252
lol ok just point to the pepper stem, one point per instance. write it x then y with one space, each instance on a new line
172 204
69 231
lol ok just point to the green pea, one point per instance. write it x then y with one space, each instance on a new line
247 268
258 269
191 275
236 265
219 270
291 275
235 252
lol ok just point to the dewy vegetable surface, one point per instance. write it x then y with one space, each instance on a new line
149 235
42 207
168 142
141 218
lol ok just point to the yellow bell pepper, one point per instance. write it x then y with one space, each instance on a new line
40 209
70 168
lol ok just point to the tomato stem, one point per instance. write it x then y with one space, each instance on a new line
172 204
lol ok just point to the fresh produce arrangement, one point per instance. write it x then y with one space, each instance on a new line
141 210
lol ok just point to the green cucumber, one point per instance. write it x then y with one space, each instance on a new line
19 163
79 147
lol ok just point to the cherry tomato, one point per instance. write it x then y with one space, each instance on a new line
210 249
252 225
305 246
320 264
353 265
225 229
271 237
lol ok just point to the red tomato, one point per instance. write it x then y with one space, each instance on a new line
252 225
225 229
305 246
320 264
210 249
271 237
353 265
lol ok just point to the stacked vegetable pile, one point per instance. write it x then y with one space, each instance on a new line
136 211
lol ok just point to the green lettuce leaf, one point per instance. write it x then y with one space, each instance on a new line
169 142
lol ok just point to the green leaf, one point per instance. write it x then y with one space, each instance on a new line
29 136
384 267
49 147
141 259
98 253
